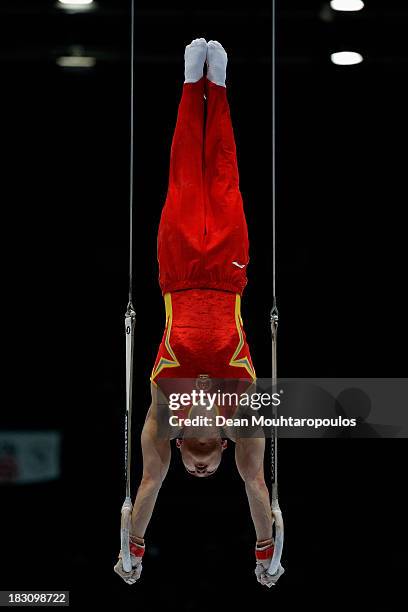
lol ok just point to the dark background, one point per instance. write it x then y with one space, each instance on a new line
341 167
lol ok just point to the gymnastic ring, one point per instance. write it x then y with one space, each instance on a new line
125 523
279 533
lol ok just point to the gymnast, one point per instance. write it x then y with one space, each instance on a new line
203 256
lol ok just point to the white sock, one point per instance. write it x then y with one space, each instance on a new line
217 60
194 60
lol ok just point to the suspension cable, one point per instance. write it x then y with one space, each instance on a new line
132 148
274 151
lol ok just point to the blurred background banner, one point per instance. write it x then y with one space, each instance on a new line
28 457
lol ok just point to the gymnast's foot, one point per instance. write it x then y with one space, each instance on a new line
216 63
194 60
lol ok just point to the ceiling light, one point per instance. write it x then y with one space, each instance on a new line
346 58
75 2
347 5
76 61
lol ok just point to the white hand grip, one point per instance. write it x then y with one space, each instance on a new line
277 553
125 524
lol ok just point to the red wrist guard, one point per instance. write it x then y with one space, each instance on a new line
264 553
137 549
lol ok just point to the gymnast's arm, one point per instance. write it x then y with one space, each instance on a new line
156 460
249 456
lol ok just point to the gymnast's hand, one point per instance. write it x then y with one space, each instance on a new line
263 554
136 555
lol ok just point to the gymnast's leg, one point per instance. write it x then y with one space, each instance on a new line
220 150
227 240
187 147
183 212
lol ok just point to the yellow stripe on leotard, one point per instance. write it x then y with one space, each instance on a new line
166 363
244 361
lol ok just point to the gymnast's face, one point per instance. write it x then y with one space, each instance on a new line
201 456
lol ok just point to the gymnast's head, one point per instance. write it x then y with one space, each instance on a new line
201 456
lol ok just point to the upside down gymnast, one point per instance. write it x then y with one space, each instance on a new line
203 255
